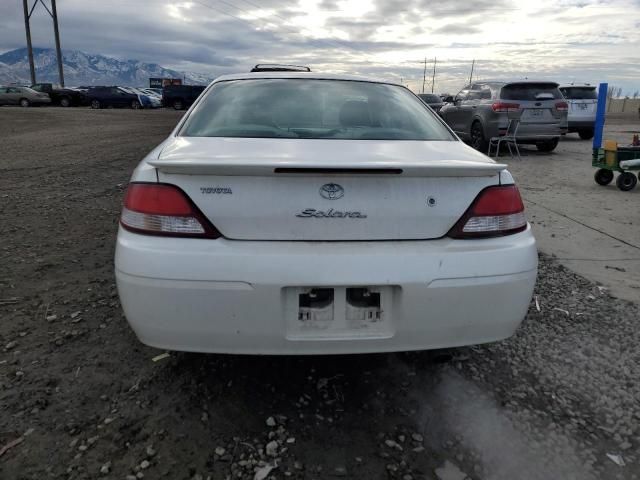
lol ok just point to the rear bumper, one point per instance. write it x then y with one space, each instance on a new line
527 132
236 296
581 125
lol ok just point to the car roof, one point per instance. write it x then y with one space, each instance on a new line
579 85
515 80
303 75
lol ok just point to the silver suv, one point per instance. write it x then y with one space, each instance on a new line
480 112
583 103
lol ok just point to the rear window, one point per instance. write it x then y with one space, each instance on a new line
528 91
579 93
313 109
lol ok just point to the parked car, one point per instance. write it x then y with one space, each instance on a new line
583 104
64 97
434 101
23 96
320 214
156 98
480 111
101 97
180 96
146 99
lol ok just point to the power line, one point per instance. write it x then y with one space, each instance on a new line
240 19
206 5
249 22
260 9
433 79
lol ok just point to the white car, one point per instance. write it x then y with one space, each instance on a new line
583 104
304 213
145 99
155 97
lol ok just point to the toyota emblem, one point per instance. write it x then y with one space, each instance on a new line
331 191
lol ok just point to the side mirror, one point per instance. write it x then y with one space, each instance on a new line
449 99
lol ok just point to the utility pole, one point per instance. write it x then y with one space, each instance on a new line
54 16
53 13
433 78
472 65
424 74
27 29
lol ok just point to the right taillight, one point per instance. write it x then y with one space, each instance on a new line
496 211
505 107
562 106
163 209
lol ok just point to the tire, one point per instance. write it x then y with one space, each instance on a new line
603 177
96 104
478 141
548 145
65 102
586 134
135 104
626 181
24 103
178 105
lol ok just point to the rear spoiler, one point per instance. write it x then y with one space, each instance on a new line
284 166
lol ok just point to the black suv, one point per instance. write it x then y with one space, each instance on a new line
180 96
65 97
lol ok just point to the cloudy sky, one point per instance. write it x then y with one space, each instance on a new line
564 40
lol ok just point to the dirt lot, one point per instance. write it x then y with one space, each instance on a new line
81 398
593 230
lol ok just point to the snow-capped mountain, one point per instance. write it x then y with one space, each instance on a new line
86 69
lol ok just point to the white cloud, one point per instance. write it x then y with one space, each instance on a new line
583 40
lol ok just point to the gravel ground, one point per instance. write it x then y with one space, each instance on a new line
593 230
81 398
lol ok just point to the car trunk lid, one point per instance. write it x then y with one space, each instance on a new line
582 107
582 99
296 189
539 102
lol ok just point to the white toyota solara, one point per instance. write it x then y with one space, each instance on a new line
304 213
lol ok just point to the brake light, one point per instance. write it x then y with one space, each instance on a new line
505 107
496 211
162 209
562 106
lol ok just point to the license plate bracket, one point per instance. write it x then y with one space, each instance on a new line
326 313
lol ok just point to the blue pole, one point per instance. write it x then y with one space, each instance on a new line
600 114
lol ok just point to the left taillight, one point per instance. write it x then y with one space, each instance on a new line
496 211
163 209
